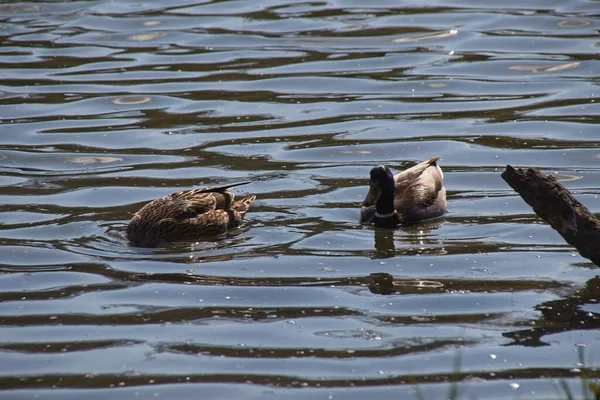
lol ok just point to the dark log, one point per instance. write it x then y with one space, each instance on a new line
557 206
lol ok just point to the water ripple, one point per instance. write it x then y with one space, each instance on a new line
107 105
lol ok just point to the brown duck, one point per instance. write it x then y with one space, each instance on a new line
412 195
187 215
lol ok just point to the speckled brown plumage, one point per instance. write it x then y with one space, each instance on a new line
412 195
187 215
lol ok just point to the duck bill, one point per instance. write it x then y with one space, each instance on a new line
372 197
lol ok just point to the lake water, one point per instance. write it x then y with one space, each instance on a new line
109 104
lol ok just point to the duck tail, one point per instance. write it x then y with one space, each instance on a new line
223 187
433 160
243 205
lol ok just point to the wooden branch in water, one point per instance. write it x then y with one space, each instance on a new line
557 206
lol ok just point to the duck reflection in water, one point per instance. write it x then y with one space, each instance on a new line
413 239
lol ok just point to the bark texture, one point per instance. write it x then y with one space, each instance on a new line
557 206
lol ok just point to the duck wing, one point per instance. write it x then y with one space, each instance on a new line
199 201
189 203
418 187
413 174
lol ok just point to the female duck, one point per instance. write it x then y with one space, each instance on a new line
415 194
187 215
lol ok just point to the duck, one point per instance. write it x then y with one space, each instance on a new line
413 195
188 215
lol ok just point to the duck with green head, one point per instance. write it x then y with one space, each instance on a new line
412 195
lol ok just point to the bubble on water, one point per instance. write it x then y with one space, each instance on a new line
94 160
573 23
130 100
558 67
567 178
429 36
152 23
143 37
546 68
528 68
359 152
19 8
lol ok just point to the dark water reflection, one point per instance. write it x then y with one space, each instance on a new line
106 105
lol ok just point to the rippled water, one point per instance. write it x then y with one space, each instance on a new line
109 104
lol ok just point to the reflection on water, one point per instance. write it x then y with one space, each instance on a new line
107 105
414 239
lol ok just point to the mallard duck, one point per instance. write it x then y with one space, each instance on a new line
187 215
412 195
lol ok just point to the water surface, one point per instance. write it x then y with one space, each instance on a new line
108 105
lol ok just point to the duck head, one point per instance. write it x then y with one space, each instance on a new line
381 187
